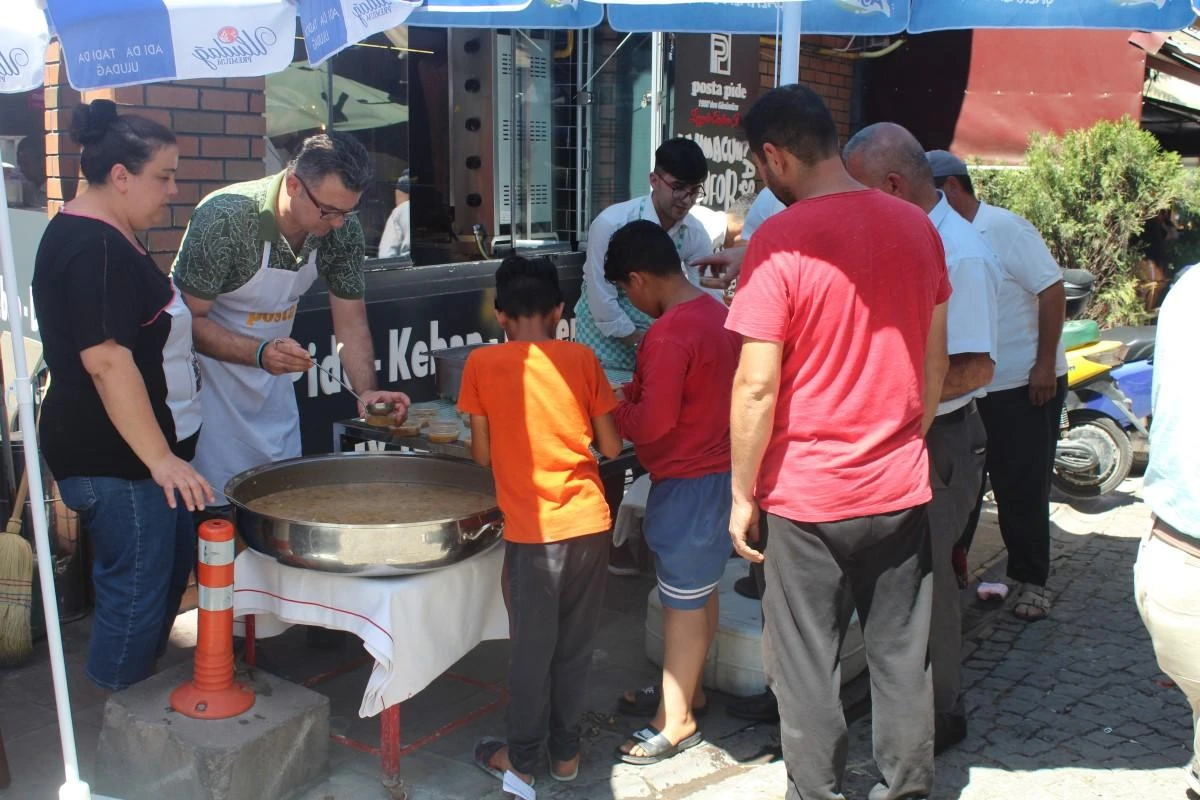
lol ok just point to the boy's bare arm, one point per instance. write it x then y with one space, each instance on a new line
607 440
481 441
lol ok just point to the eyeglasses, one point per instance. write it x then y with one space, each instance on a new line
683 190
325 211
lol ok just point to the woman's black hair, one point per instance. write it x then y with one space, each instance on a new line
109 138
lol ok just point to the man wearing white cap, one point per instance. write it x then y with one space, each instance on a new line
1024 400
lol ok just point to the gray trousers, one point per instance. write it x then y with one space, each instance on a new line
554 594
957 449
813 570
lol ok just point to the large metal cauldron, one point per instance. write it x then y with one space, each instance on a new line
365 550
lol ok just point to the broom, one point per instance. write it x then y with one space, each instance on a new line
16 586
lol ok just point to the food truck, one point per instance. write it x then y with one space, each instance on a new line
485 141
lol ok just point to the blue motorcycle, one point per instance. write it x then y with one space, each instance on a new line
1106 416
1135 377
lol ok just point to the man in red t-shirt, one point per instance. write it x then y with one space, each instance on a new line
842 309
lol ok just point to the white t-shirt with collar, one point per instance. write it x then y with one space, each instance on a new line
765 205
975 277
691 240
1028 270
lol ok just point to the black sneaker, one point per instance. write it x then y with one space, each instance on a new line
756 708
622 561
747 587
948 730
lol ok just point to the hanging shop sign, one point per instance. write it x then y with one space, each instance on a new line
716 82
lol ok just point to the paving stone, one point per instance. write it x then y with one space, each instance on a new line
1039 698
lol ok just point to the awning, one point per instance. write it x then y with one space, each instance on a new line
182 39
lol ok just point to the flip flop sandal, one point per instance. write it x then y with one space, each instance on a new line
485 750
1033 603
657 747
561 778
645 703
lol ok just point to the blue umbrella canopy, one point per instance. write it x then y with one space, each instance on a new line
181 39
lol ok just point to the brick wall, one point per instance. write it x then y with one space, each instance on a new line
62 155
829 76
219 125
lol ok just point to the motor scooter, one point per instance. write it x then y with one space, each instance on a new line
1135 377
1100 422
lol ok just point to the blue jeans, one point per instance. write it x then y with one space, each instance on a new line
143 552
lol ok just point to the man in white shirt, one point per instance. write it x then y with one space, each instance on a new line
1025 398
726 264
888 157
605 319
715 222
1166 576
396 239
765 205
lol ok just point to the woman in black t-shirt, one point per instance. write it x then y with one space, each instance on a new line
120 421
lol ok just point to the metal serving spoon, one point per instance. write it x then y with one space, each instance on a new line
347 386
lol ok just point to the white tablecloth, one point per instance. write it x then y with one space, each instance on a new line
628 525
415 626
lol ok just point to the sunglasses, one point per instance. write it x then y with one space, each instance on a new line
683 190
325 211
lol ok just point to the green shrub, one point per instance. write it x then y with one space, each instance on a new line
1090 192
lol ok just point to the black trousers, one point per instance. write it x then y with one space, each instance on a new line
882 563
1021 442
554 594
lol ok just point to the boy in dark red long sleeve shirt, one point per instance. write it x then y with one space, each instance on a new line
676 413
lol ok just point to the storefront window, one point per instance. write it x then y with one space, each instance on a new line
23 149
620 141
363 91
474 135
371 100
23 152
513 94
525 196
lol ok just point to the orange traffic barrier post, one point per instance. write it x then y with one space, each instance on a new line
212 693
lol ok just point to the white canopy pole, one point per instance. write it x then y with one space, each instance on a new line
789 44
658 84
73 788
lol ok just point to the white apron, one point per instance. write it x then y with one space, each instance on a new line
250 415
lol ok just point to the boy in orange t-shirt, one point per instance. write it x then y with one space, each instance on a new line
536 403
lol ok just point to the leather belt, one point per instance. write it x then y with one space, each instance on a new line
1175 538
957 415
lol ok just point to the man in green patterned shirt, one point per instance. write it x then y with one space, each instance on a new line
250 251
